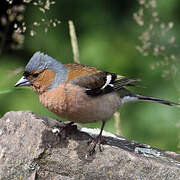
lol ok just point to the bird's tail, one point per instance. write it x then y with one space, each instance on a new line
127 96
152 99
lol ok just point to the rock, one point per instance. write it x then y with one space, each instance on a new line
29 150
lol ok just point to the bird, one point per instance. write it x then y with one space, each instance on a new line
80 93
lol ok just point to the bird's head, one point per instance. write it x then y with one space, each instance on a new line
43 73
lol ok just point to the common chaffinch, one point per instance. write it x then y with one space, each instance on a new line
79 93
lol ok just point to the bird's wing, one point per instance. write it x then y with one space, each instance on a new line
95 81
111 82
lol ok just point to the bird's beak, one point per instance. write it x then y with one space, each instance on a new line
23 82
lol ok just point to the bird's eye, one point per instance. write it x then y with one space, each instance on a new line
35 75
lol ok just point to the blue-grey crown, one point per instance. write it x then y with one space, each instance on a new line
43 61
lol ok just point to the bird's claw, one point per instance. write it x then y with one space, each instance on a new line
93 143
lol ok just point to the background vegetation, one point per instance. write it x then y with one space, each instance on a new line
132 38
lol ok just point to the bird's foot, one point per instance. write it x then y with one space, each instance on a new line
92 145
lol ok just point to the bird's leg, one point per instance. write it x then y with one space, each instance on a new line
97 140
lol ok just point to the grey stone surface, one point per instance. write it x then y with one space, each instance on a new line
29 150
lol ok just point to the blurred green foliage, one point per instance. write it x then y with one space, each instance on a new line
108 37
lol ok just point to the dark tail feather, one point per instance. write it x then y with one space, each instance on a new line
152 99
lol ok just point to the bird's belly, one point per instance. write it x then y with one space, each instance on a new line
76 106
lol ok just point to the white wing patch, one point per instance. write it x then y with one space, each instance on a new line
108 80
